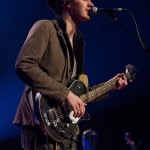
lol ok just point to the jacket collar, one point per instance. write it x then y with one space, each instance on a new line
61 28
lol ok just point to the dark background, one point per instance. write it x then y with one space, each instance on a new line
108 50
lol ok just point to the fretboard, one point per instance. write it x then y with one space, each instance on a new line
99 90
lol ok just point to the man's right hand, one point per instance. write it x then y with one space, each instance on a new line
76 104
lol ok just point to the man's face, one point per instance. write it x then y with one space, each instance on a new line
80 10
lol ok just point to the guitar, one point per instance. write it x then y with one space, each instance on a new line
61 124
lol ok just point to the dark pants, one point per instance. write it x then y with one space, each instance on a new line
32 138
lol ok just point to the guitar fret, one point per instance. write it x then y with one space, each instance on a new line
95 93
98 91
83 97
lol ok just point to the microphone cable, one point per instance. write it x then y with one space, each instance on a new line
138 37
111 13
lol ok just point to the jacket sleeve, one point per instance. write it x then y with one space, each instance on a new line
27 63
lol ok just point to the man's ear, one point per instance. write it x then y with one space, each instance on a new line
67 3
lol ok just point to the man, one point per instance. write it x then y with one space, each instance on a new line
50 57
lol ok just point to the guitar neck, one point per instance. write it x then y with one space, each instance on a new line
100 90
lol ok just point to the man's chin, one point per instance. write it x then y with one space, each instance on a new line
87 18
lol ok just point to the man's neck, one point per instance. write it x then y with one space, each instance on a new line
70 25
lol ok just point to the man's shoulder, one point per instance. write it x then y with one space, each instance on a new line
44 22
44 25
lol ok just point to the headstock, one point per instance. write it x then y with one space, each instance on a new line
130 72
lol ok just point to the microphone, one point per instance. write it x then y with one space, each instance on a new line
96 10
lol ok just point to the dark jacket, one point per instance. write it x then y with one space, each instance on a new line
45 65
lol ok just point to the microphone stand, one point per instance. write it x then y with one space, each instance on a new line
111 14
